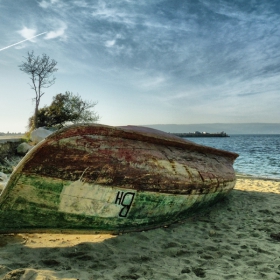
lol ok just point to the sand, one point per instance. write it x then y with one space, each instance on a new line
235 239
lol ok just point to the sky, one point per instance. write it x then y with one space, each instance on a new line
146 61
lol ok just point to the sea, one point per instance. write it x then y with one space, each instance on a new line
259 155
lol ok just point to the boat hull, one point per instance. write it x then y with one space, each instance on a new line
108 179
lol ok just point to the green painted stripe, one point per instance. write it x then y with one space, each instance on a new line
47 203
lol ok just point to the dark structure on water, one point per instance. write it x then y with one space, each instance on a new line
201 134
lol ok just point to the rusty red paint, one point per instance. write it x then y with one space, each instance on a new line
131 157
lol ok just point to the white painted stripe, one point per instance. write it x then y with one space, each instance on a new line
91 200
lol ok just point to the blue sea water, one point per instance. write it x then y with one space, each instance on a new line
259 155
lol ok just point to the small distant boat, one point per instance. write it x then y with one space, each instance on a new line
92 177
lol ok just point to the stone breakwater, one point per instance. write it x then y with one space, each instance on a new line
13 148
8 153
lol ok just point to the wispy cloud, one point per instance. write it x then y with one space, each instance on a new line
113 42
27 33
115 13
59 32
154 82
81 3
46 4
110 43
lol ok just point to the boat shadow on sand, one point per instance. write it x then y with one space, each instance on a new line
230 240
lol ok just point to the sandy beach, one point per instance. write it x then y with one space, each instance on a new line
235 239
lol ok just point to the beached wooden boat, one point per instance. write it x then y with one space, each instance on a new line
112 179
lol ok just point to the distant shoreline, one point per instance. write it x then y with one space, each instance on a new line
230 128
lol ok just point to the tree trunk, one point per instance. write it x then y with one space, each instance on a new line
35 124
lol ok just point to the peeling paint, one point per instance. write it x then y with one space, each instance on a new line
103 178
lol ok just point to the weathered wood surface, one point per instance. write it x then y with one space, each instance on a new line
112 179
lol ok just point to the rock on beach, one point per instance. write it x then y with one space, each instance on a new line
39 134
23 148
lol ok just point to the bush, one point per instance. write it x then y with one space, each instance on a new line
65 109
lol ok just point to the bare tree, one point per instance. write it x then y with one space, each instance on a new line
40 70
